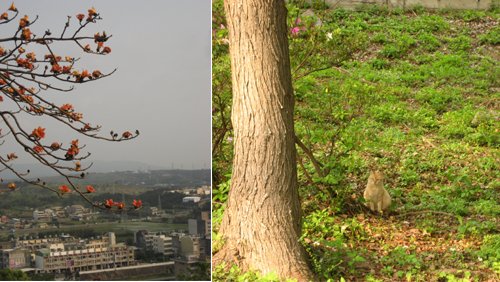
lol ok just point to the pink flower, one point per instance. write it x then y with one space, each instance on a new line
297 21
295 30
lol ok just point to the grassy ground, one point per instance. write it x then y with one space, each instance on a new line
414 93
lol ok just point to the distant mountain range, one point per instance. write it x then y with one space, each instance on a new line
39 170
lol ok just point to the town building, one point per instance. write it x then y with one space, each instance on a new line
196 227
144 239
59 211
163 245
191 199
96 254
203 190
205 216
15 258
192 247
75 210
34 244
154 211
43 215
4 219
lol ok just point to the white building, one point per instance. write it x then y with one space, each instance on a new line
196 227
75 209
94 254
191 246
191 199
205 216
203 190
163 244
43 215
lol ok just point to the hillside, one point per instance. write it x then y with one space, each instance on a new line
145 185
414 93
145 178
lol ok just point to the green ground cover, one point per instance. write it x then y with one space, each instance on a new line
414 93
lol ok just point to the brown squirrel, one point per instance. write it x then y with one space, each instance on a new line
377 198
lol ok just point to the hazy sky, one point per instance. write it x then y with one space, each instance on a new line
162 86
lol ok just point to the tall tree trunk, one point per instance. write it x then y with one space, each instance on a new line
261 224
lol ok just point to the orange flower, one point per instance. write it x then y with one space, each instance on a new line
24 21
56 68
78 166
26 34
2 51
96 73
28 99
106 50
85 73
38 109
87 48
86 127
55 146
137 204
64 189
73 150
12 8
4 16
77 116
20 61
66 107
120 205
11 156
109 203
38 133
38 149
100 38
11 185
92 12
126 134
80 17
71 153
24 63
90 189
21 50
66 69
31 56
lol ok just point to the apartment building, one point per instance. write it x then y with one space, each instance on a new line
34 244
83 255
113 256
15 258
163 244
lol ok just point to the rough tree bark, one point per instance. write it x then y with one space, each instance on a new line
261 224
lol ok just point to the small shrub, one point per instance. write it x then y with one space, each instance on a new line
428 42
490 251
491 37
460 43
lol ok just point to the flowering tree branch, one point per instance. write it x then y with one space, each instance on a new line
24 79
